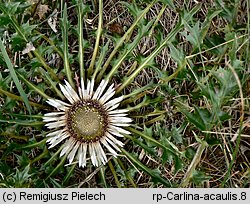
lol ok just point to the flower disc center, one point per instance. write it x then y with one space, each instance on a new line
87 121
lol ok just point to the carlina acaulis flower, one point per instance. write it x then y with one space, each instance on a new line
88 124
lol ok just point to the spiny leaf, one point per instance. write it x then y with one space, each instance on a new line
148 149
194 36
129 48
186 18
199 177
192 118
21 177
4 20
14 77
169 3
206 24
133 9
177 136
177 54
154 174
123 39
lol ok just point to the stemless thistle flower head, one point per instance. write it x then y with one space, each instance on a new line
88 124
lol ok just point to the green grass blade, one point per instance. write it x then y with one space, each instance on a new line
128 176
53 157
23 122
114 174
103 177
36 144
51 83
56 169
65 28
14 77
69 174
18 98
80 13
98 36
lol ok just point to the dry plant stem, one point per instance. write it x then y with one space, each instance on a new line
169 78
227 133
240 89
238 138
248 34
193 164
98 36
217 46
89 177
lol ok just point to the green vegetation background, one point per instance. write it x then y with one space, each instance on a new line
183 67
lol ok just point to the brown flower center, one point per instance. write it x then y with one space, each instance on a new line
87 121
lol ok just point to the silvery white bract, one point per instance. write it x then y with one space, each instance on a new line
88 123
